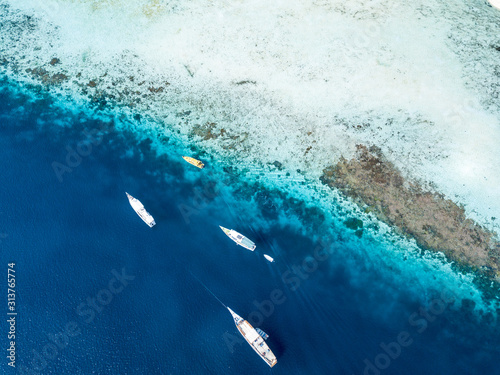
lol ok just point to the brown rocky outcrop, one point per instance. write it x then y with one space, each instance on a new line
436 223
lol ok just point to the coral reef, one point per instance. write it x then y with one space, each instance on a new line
436 223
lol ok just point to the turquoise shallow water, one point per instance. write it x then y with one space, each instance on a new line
326 306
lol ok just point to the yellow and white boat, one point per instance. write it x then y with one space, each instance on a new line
193 161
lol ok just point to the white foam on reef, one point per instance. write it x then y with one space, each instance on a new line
297 81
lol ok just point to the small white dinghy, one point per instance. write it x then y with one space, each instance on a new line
495 3
269 258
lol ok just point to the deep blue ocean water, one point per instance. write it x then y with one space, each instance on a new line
70 239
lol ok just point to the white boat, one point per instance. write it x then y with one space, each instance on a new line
269 258
495 3
255 337
141 211
239 238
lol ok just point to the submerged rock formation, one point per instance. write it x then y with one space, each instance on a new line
436 223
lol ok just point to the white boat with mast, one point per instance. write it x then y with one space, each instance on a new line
239 238
255 337
140 210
